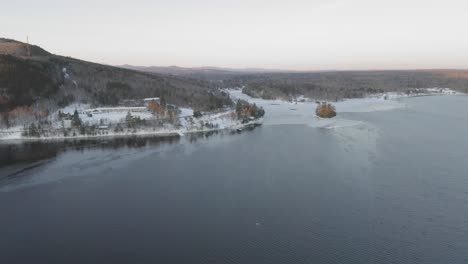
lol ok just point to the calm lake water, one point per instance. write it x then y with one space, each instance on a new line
387 187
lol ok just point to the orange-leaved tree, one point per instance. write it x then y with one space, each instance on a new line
325 110
156 109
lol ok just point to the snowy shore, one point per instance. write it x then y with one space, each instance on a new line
301 110
188 125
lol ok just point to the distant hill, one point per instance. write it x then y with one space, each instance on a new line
203 73
330 85
47 81
346 84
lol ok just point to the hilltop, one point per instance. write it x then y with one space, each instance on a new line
204 73
20 49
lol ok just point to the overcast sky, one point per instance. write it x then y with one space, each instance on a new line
288 34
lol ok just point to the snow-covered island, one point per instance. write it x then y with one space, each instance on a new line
152 117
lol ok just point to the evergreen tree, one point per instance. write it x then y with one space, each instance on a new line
238 106
33 131
76 120
118 128
6 119
197 114
82 130
129 119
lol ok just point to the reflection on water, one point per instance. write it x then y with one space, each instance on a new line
29 163
21 162
30 152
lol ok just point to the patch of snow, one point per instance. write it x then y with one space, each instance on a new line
106 117
185 111
437 90
11 133
70 109
368 104
112 117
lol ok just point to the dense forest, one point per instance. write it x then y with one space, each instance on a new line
332 85
350 84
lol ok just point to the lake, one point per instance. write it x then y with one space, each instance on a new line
384 187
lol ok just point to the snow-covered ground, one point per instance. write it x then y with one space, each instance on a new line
185 111
113 117
11 133
95 119
188 124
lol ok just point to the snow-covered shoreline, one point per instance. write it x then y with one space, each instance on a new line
217 119
299 111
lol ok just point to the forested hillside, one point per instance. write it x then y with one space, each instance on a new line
36 82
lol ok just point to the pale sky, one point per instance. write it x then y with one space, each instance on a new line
289 34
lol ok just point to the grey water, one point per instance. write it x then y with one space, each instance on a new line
391 189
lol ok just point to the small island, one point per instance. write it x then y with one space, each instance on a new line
325 110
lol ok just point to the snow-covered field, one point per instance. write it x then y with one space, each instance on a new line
97 118
185 111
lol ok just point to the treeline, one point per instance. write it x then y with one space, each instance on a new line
339 85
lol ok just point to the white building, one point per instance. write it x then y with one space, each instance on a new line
100 110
